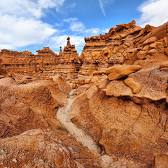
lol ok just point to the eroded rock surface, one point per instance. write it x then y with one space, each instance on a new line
37 148
107 108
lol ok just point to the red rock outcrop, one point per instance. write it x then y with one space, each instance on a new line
46 62
107 108
19 62
28 106
127 116
127 43
44 148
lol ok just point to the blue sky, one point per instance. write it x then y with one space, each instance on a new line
33 24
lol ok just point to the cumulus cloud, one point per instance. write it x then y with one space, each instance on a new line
77 26
18 32
154 12
28 8
77 30
22 25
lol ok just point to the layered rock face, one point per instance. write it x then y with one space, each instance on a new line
127 116
107 108
19 62
44 64
127 43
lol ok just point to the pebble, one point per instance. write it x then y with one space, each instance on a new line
14 160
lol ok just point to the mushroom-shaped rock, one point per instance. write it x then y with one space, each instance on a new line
120 71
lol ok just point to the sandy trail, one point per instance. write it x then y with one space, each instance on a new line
63 115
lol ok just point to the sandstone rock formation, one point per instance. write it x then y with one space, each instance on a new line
39 148
107 108
121 71
161 161
43 64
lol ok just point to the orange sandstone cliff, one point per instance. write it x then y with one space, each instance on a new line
107 108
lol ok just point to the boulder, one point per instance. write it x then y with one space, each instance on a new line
121 71
131 83
153 82
44 148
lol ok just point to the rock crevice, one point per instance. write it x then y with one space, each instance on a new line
63 115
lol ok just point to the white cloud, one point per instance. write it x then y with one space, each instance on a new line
75 25
21 24
79 27
101 4
94 31
18 32
71 19
154 12
28 8
77 30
